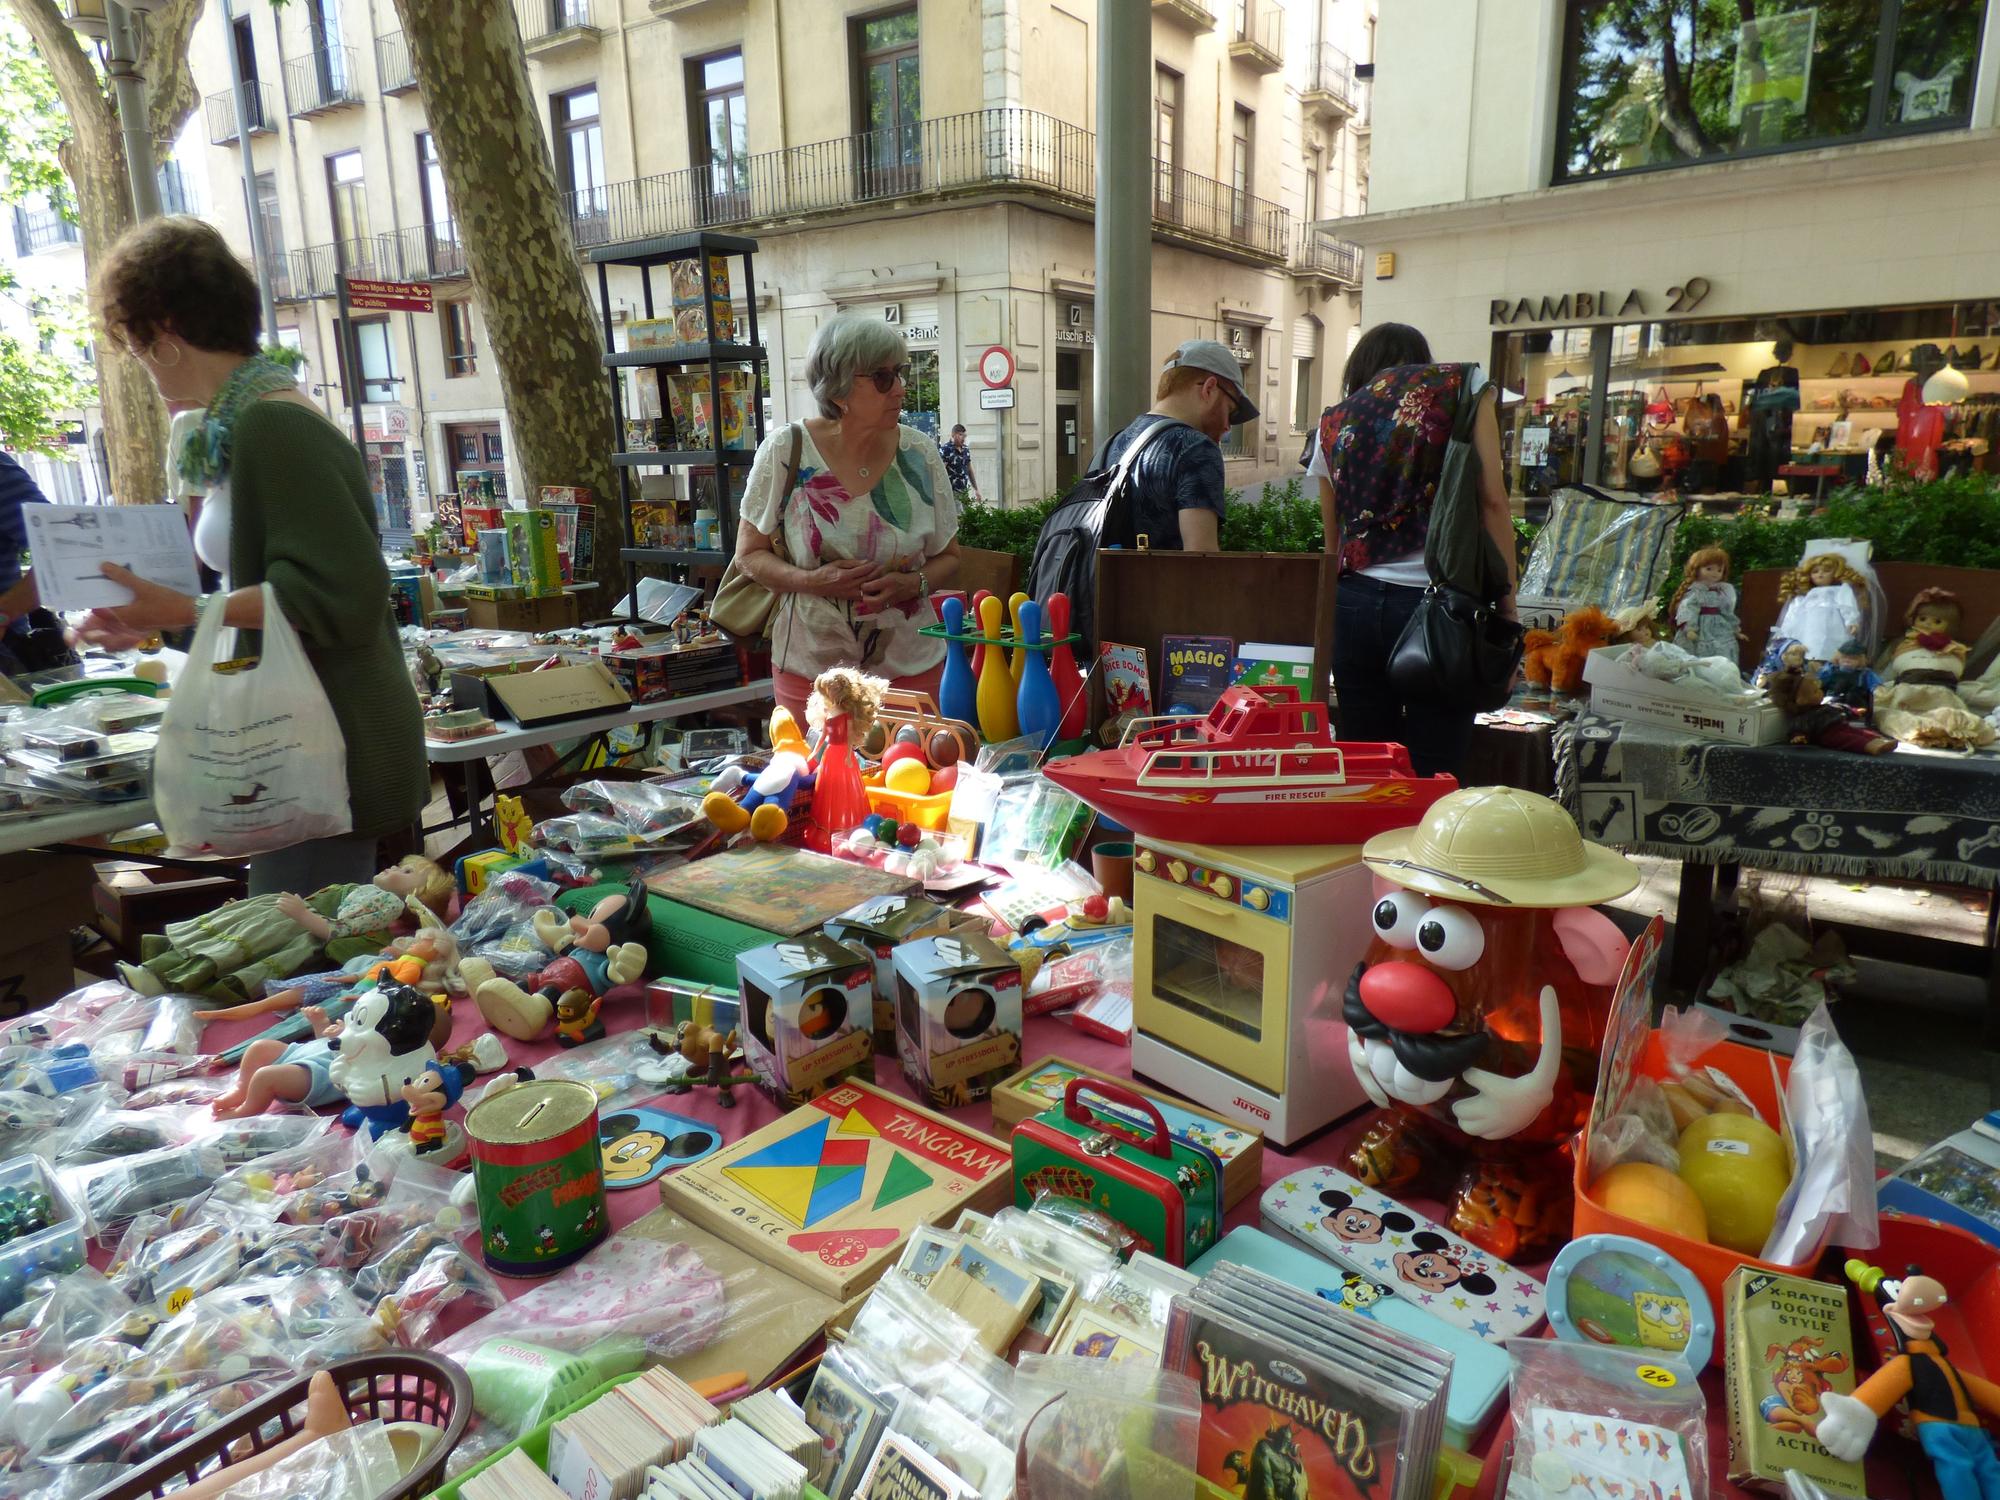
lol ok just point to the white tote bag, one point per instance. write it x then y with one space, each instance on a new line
250 760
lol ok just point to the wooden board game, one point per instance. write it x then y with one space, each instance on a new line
775 887
1040 1086
830 1192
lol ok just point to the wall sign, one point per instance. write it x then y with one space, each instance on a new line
892 312
1582 307
1082 336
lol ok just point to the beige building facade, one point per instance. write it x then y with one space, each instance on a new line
1618 218
932 163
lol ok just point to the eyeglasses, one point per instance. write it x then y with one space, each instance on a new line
887 380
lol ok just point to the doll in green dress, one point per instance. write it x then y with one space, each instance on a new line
229 953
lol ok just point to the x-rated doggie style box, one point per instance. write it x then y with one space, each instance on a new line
958 1016
1618 692
1787 1343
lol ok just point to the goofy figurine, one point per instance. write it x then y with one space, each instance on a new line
596 954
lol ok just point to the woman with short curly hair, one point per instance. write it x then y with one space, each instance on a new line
868 518
288 505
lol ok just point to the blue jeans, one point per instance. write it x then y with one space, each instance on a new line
1368 617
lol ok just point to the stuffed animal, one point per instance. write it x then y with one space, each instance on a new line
597 954
1558 659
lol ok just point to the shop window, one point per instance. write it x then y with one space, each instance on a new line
721 132
461 355
1646 85
920 391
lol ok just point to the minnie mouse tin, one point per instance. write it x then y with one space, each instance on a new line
1614 1289
1401 1253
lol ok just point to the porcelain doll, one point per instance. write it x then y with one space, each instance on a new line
1705 606
1822 603
1930 652
1848 679
1815 722
233 951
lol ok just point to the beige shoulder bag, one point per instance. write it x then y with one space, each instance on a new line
744 608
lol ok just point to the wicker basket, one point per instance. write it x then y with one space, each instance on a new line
403 1386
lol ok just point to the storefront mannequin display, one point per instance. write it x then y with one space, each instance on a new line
1822 602
1705 606
231 952
1479 1008
1771 401
1707 427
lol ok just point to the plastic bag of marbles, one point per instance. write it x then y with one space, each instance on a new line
60 1311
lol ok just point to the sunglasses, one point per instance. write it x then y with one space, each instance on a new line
887 380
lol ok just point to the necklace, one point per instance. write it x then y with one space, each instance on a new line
205 457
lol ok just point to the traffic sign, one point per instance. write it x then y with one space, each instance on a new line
998 398
388 296
996 368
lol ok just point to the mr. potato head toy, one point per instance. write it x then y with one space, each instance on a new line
1478 1011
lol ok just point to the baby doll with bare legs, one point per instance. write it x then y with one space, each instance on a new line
298 1072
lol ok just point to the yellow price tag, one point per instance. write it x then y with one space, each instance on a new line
1658 1377
179 1298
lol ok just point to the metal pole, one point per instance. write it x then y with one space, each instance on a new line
122 53
240 96
350 342
1124 216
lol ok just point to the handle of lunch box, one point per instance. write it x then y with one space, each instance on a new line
1161 1143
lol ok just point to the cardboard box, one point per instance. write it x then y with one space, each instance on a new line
555 694
1786 1342
1040 1086
548 612
35 974
808 1016
1617 692
532 555
878 927
958 1017
131 900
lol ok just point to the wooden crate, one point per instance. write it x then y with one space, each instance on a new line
998 572
830 1192
134 899
1282 597
1040 1085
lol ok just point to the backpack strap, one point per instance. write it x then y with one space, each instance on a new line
1139 445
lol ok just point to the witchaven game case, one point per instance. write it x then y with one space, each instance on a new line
1298 1398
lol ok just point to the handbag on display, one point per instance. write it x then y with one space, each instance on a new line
743 607
1458 647
1645 464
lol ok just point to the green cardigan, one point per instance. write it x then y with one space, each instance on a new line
302 519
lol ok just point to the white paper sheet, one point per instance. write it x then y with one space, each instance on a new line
68 542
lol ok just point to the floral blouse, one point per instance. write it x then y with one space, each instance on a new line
909 516
1383 448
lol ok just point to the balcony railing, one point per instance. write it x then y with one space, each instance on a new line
990 149
393 68
222 114
418 253
543 20
39 229
1261 42
1317 253
323 79
1330 78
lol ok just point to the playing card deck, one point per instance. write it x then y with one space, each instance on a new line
1299 1397
605 1449
778 1420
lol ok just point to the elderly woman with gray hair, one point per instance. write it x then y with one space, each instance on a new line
849 518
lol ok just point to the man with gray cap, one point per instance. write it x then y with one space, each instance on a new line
1176 486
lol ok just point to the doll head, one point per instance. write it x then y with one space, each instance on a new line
1793 657
1851 654
1707 565
420 876
1821 570
1934 612
843 690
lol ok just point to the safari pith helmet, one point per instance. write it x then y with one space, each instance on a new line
1498 846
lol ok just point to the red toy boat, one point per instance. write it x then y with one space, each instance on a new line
1262 768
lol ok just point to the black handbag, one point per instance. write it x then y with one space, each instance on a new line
1458 648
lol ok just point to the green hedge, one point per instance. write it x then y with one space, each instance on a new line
1285 521
1954 522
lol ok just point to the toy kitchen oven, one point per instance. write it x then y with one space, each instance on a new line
1241 958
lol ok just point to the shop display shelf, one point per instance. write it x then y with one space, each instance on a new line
688 354
693 557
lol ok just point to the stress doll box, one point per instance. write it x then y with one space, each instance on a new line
830 1193
808 1015
958 1016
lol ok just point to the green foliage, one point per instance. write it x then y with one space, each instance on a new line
35 386
1004 528
1954 522
1283 521
33 123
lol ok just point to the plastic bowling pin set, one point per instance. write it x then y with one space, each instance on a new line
1011 679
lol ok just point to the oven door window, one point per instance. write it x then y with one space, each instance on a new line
1209 977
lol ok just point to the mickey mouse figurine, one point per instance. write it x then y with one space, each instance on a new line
598 953
1945 1401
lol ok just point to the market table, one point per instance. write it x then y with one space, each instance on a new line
1043 1036
472 755
1908 815
90 821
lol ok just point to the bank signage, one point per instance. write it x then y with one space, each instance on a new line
1586 307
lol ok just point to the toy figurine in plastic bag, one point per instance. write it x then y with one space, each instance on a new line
1479 1008
599 952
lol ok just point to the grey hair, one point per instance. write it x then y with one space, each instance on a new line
844 347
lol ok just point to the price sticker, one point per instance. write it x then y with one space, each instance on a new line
1659 1377
179 1298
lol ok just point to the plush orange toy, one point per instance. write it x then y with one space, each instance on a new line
1583 631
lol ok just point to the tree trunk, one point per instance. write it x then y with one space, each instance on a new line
135 421
540 323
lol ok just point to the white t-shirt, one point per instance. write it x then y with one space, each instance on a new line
1408 570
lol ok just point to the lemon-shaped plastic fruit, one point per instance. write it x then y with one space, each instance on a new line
908 775
1653 1196
1737 1167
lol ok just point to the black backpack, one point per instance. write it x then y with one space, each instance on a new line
1097 512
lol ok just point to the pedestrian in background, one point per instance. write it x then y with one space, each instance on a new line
958 465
